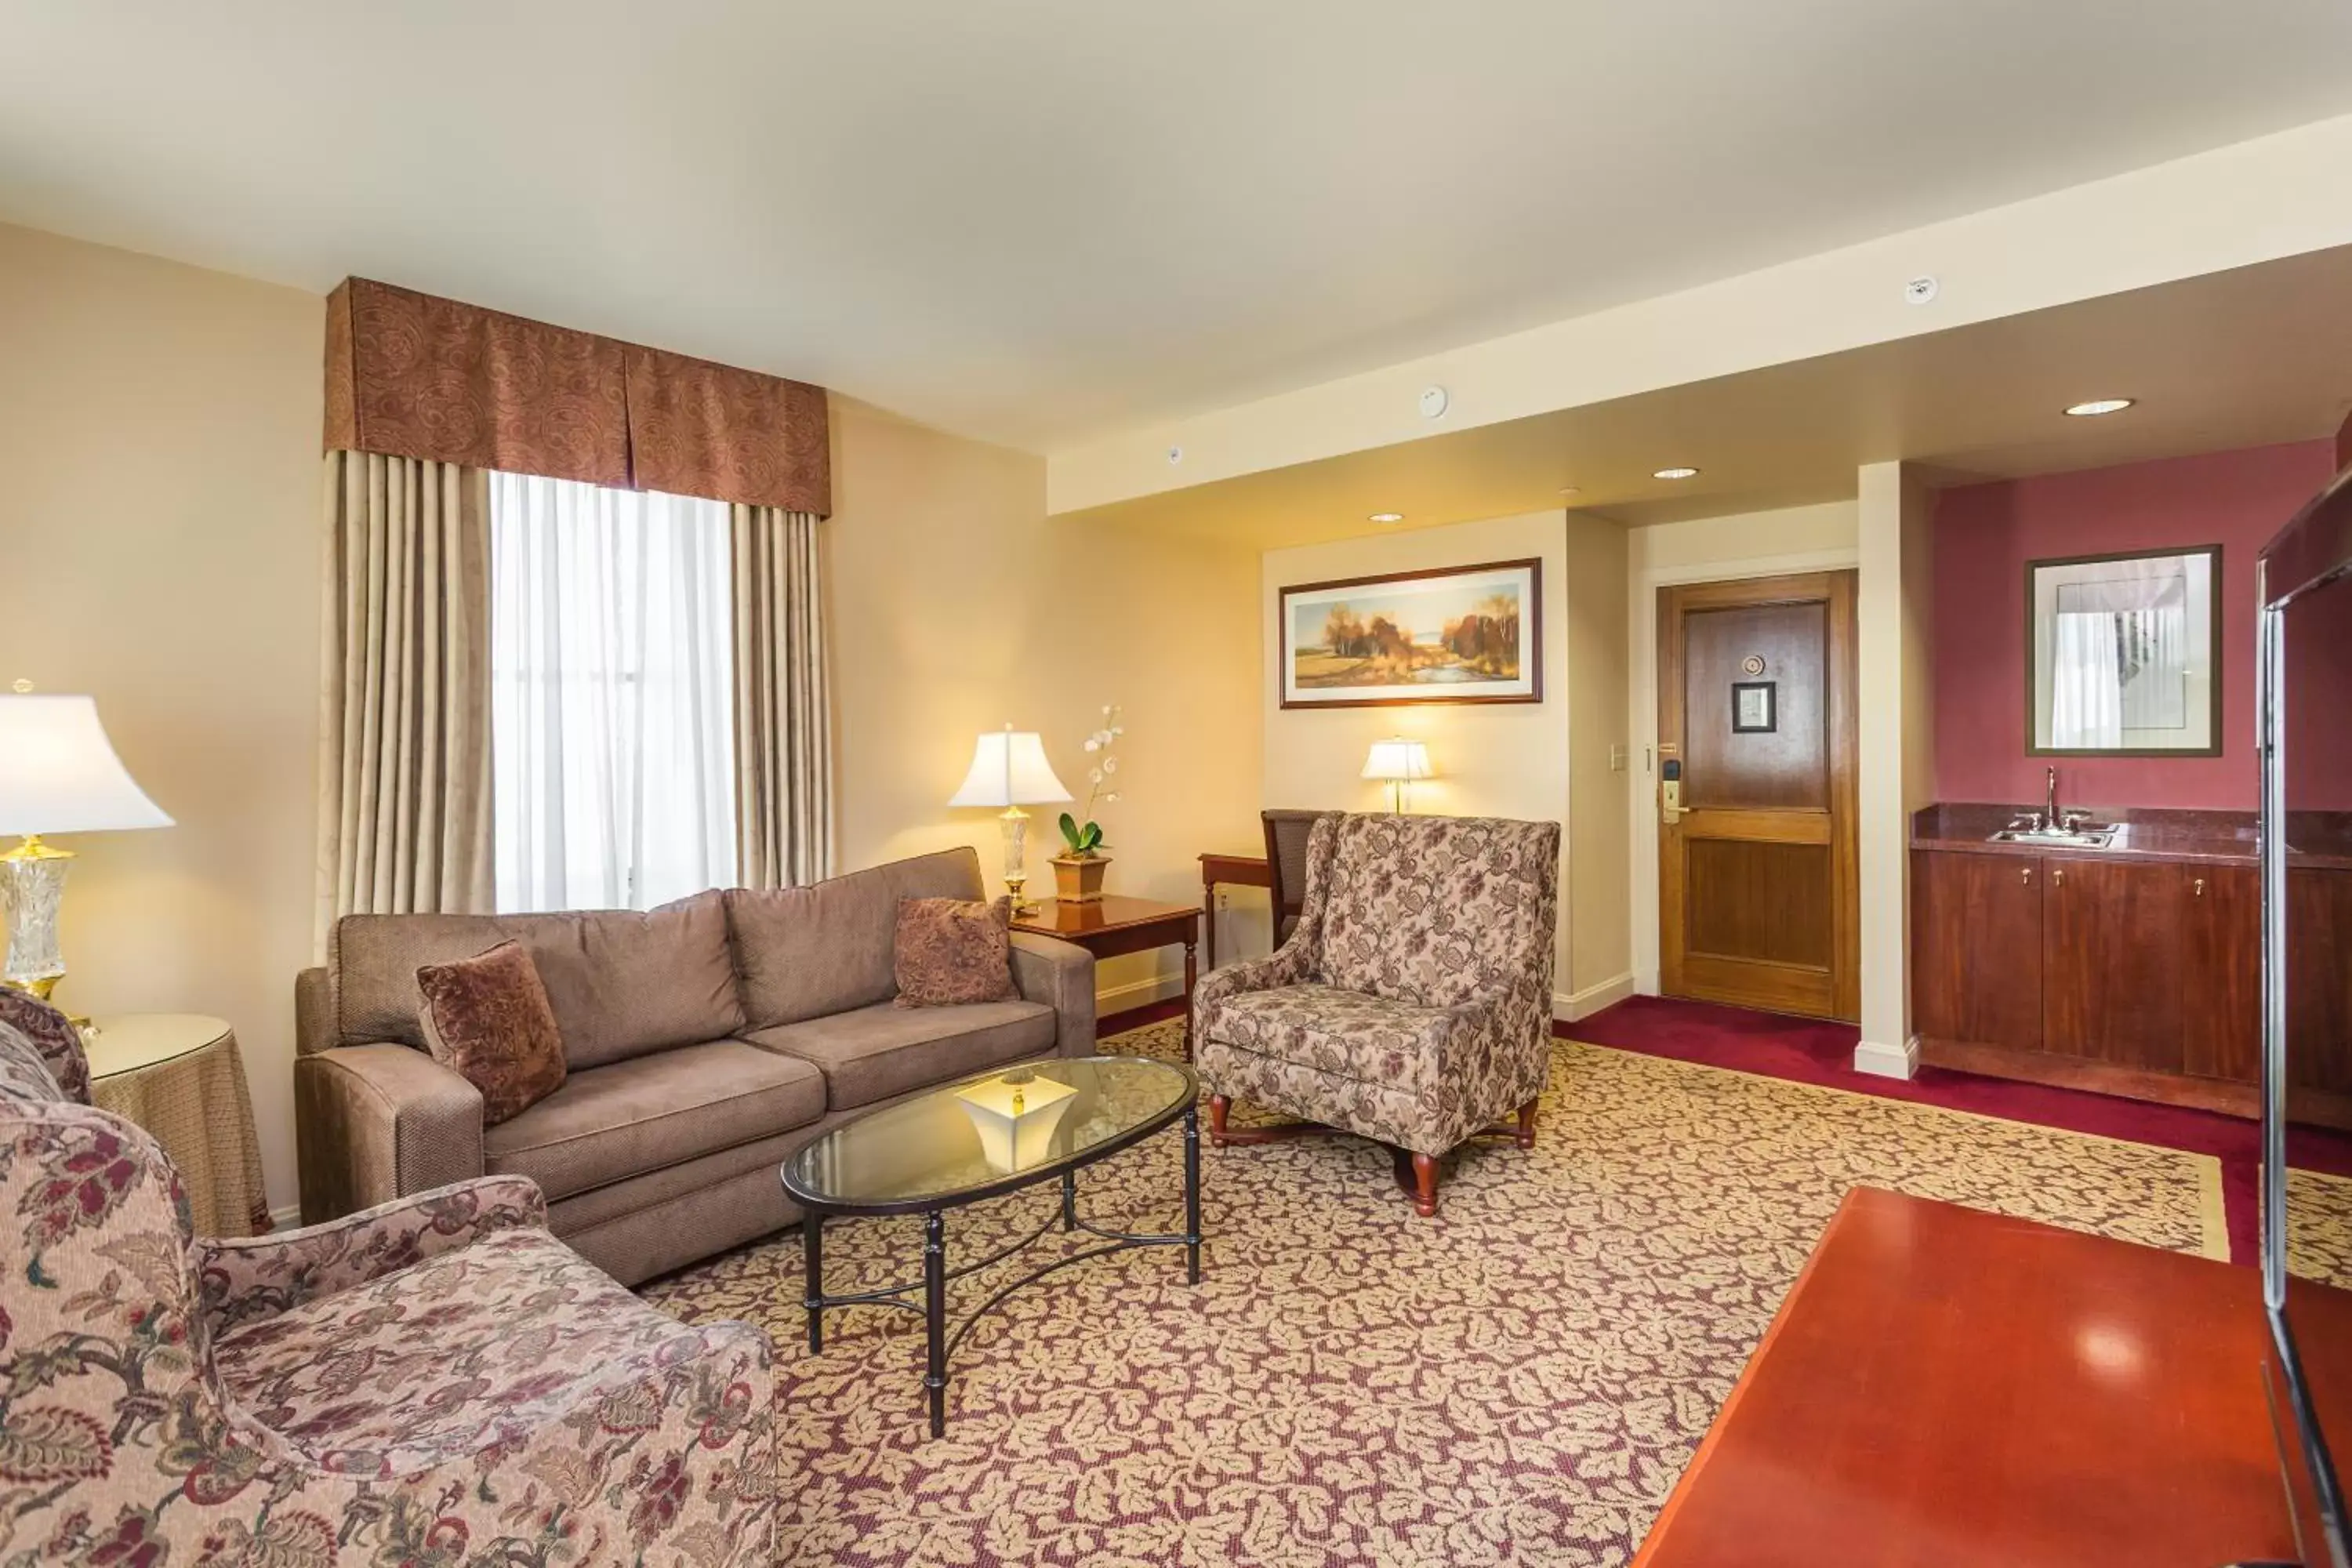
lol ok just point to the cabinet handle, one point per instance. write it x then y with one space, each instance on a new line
2059 877
2198 887
2026 876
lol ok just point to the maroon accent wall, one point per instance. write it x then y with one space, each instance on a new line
1984 536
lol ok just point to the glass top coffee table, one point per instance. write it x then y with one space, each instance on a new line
983 1137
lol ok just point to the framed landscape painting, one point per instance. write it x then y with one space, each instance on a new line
1470 633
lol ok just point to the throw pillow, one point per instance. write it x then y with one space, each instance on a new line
951 953
486 1017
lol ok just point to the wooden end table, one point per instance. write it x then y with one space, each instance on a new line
1112 924
1233 871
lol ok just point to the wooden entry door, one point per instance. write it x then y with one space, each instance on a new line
1757 887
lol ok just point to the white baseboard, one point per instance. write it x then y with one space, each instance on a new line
1568 1007
1138 993
286 1219
1887 1061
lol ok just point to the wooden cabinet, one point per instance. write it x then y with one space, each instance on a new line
2139 977
2111 974
1977 948
2221 974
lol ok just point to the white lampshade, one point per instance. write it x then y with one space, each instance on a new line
58 773
1398 758
1009 768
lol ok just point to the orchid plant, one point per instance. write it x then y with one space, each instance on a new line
1085 840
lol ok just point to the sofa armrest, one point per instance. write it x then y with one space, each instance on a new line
248 1278
315 1026
380 1122
1061 975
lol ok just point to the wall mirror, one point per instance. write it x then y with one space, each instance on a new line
2123 655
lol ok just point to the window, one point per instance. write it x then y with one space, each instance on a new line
611 710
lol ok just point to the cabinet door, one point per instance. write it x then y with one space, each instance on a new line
2319 985
1976 948
2222 973
2111 979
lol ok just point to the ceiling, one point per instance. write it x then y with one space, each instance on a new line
2242 358
1042 221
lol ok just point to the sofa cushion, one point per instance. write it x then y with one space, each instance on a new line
952 953
488 1020
1348 1034
621 981
630 1117
802 953
884 1050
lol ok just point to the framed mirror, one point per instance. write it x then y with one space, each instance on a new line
2123 655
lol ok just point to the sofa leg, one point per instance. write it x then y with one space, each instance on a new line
1218 1105
1526 1133
1425 1185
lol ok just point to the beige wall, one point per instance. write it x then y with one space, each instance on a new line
958 606
158 435
1499 761
1893 631
159 439
1713 549
1600 937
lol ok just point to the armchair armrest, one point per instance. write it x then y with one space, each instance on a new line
1489 1026
1292 964
379 1121
248 1278
1062 975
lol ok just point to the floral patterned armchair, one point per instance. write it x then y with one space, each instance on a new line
436 1381
1411 1003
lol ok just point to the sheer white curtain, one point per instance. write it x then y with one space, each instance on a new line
2087 687
612 748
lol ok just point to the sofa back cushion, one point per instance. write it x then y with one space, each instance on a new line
1435 911
807 952
622 983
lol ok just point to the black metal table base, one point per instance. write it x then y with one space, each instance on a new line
940 1342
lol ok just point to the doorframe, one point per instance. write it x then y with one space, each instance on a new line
1641 769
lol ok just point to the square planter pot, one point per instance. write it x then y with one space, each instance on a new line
1078 879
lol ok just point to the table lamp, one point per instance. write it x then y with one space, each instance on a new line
1009 769
58 773
1398 761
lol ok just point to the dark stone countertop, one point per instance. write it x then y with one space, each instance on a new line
2320 840
2206 837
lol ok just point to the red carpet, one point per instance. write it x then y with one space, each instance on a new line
1808 1051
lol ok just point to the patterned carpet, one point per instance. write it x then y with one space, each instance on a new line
1520 1380
2319 1226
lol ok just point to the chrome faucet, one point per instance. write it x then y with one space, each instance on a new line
2049 817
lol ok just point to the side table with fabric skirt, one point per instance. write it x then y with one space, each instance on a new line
179 1075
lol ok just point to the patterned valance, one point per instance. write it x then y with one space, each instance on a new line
412 375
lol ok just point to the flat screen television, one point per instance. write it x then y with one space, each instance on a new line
2303 698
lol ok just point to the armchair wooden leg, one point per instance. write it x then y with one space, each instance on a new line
1218 1105
1527 1133
1425 1185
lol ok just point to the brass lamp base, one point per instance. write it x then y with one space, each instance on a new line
33 887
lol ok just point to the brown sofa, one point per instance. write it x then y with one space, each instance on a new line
704 1042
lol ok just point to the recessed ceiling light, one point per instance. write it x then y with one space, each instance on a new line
1676 473
2098 405
1387 517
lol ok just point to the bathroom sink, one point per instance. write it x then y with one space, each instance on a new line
2090 836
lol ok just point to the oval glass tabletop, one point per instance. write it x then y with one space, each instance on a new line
989 1133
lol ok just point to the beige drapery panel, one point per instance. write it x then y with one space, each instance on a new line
783 701
404 704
